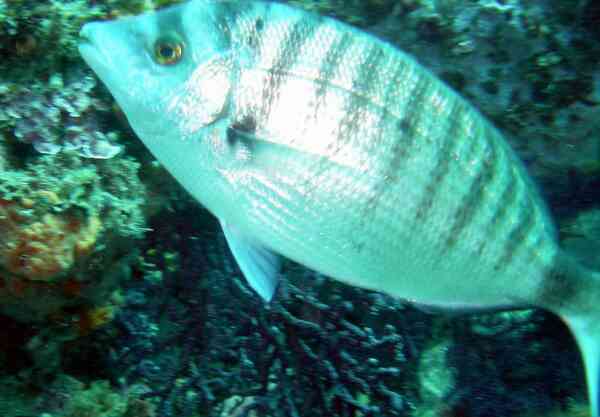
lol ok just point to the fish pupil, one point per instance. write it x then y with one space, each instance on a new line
168 52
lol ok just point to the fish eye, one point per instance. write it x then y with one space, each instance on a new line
168 52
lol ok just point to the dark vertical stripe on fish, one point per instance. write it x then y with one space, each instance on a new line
225 18
475 197
406 124
402 141
384 127
443 160
525 222
292 43
502 204
363 85
329 66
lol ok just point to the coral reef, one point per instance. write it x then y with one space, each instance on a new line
67 223
514 363
66 396
41 250
54 215
212 338
57 116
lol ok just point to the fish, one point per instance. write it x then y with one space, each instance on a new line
312 140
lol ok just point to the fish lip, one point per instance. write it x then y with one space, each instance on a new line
84 35
89 50
95 56
85 43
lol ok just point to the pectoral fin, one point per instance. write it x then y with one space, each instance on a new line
259 265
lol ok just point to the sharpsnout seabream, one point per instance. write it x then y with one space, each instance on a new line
312 140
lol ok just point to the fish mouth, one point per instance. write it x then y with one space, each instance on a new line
90 41
90 48
86 45
84 36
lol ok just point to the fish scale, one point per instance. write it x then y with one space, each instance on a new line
453 139
313 140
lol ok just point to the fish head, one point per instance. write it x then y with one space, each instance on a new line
168 70
171 72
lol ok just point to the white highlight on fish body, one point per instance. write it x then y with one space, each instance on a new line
203 97
313 140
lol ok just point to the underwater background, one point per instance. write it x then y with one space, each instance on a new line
118 294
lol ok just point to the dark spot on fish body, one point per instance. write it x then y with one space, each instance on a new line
259 24
242 129
246 124
232 137
253 37
403 125
227 14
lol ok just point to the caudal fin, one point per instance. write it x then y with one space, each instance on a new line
575 297
587 333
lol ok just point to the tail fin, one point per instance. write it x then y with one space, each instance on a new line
575 297
587 333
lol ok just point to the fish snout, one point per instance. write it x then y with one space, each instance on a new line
98 48
86 34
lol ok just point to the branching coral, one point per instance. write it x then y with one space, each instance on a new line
318 349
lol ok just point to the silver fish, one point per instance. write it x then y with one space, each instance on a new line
313 140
